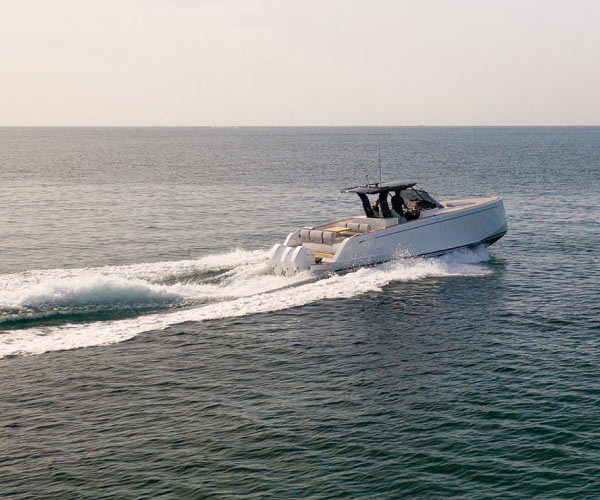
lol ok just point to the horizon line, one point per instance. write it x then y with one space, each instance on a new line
302 126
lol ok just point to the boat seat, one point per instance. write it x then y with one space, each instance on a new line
304 235
358 228
328 237
316 236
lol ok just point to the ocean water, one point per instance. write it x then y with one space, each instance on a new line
146 351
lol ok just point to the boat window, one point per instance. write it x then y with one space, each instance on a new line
421 199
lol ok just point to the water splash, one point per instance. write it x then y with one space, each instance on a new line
68 292
243 286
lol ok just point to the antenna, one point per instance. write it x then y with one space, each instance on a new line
379 159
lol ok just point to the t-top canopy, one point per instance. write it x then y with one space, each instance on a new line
379 188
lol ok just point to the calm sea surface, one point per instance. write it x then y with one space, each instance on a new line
145 351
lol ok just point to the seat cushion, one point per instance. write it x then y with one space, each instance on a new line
316 236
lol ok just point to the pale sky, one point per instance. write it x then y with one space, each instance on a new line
289 62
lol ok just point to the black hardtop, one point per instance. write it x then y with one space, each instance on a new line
382 187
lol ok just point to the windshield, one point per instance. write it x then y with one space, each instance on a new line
419 198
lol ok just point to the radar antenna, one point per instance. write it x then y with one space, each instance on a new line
379 160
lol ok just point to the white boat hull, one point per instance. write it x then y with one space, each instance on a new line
459 224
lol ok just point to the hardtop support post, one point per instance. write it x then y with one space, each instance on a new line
366 205
385 208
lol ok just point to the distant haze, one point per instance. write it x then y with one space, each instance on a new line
234 62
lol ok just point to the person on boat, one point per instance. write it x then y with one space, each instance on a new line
398 204
376 212
381 207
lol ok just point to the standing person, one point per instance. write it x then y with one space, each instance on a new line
398 204
376 208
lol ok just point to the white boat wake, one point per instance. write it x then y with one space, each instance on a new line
168 293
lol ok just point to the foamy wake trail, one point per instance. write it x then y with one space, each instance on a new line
43 293
245 289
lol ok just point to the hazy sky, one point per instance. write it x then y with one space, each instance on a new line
323 62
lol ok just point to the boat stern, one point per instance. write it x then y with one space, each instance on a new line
287 261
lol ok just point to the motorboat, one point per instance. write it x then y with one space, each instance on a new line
414 225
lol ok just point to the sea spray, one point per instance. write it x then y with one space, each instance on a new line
245 289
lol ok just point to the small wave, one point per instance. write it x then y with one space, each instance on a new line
246 288
56 292
87 289
155 272
237 259
466 256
